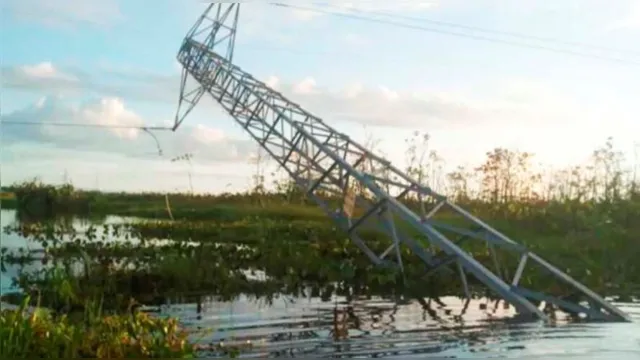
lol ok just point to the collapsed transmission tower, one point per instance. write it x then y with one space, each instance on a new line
327 164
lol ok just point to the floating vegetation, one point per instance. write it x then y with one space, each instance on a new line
229 259
39 333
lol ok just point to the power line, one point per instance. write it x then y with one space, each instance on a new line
62 124
459 34
146 129
491 31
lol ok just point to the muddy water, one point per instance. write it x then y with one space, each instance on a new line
310 327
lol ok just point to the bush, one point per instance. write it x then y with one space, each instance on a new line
38 200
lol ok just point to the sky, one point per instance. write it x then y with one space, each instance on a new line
113 62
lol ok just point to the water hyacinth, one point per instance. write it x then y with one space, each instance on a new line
36 333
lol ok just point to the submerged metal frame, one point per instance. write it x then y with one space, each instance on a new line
323 161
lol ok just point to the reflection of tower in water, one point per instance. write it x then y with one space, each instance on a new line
343 320
340 324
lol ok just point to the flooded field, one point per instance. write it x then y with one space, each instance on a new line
308 326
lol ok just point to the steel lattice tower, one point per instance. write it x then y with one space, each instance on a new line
324 162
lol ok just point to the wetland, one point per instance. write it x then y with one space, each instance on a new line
267 274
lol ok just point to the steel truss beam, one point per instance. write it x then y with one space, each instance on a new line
216 28
328 164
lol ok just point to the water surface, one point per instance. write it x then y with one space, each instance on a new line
388 329
14 242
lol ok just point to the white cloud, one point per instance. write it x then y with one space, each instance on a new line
373 106
272 82
353 90
207 135
517 113
118 172
39 76
64 12
48 78
111 112
306 86
513 101
390 107
44 70
113 128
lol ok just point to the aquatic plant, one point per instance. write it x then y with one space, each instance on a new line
220 259
37 333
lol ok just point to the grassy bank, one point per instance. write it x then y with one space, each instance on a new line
40 200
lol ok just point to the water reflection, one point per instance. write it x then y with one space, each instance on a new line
390 329
14 242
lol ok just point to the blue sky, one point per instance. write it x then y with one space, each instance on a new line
113 62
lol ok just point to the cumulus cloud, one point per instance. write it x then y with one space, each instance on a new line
355 103
109 127
66 13
44 71
43 76
512 102
48 78
519 101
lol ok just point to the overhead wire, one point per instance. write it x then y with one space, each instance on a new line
146 129
63 124
489 31
461 34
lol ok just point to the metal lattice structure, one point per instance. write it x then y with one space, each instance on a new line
326 163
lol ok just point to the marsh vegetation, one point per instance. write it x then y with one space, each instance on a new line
97 280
